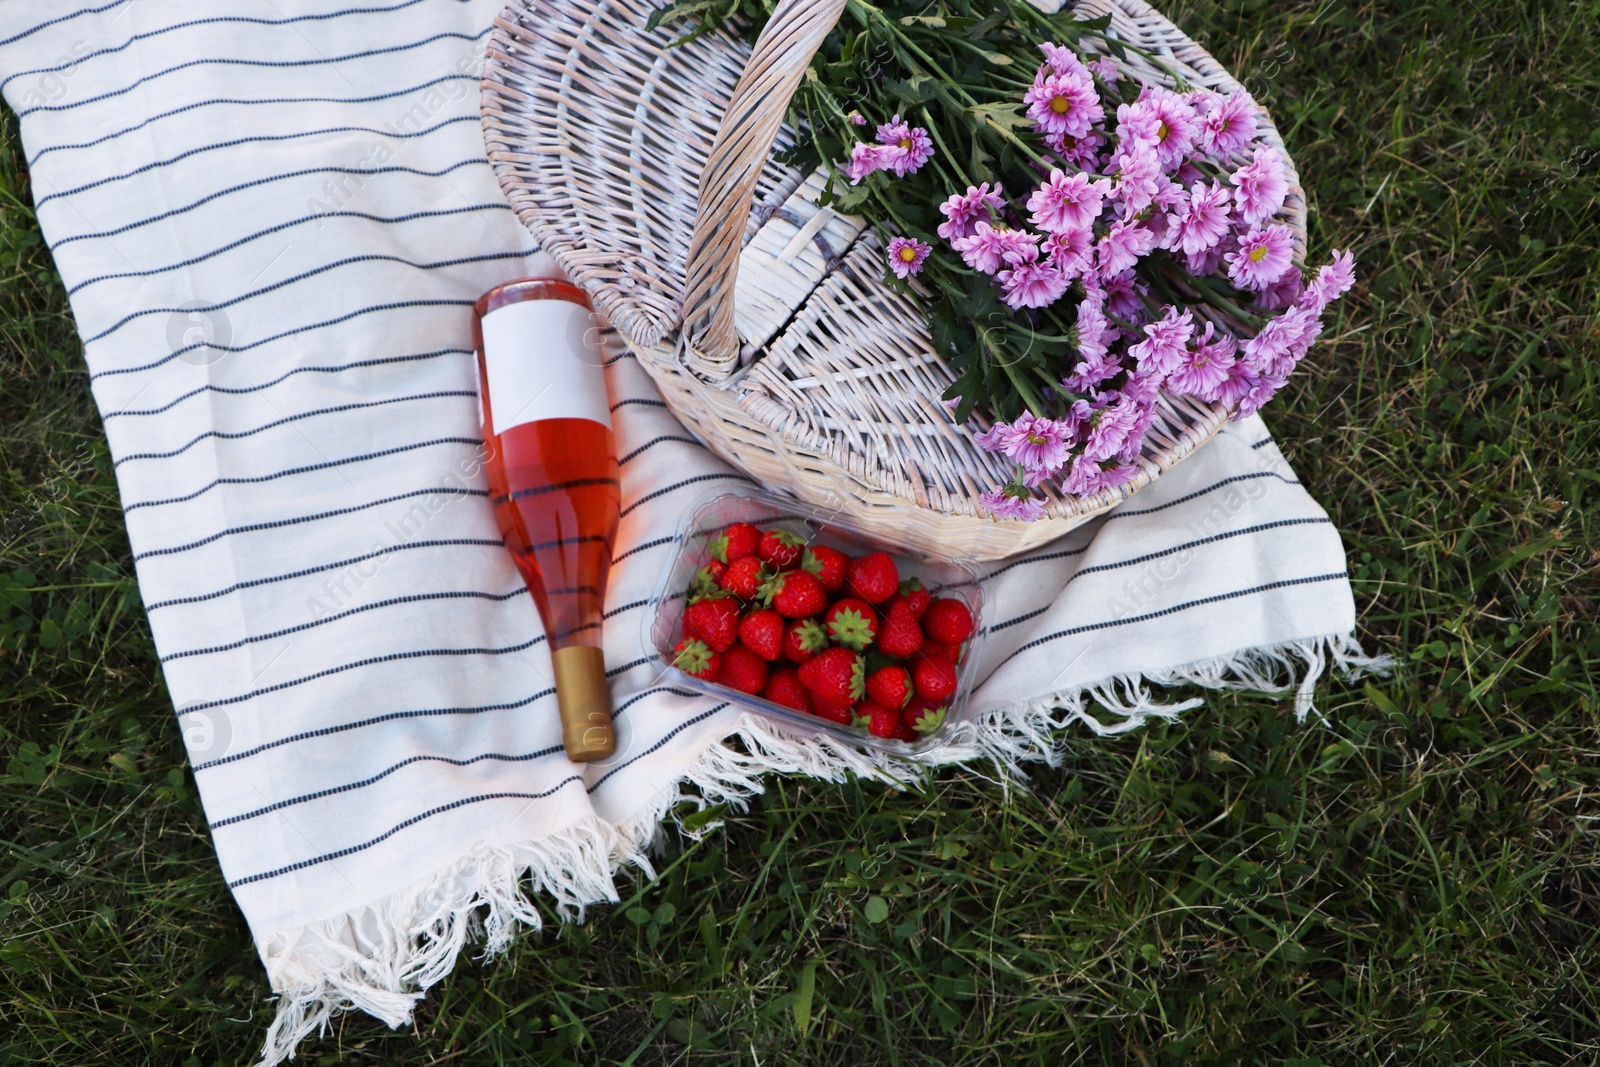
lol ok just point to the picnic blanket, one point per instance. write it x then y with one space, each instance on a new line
272 218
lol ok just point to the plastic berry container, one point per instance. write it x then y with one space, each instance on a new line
766 511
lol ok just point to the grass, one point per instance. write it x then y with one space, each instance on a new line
1418 882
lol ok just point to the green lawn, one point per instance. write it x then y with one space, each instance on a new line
1417 882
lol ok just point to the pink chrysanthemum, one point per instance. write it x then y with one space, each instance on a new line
1125 296
868 158
906 256
1201 221
1203 369
1037 443
1071 251
1261 390
1063 105
1164 343
963 211
1012 502
1108 430
988 248
1176 125
1332 281
857 119
1033 284
1062 61
1137 124
1261 187
1086 478
1262 258
1065 203
1138 178
1078 151
1106 68
1284 292
1124 244
1229 126
913 141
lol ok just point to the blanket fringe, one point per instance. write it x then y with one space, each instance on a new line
383 958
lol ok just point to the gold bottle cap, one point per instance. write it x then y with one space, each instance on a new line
585 703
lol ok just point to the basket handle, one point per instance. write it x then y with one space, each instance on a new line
710 345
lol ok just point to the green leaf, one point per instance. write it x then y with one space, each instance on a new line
876 910
803 996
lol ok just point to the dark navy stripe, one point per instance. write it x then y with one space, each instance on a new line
305 276
373 310
204 200
653 443
310 468
261 139
1175 609
1063 554
556 487
380 776
414 598
239 102
1122 514
459 542
279 228
268 63
657 543
353 849
649 403
1262 444
674 732
734 475
1135 561
192 23
277 524
123 3
236 435
242 390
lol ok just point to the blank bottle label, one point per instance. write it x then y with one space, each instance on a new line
544 362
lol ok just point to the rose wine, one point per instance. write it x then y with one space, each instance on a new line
553 480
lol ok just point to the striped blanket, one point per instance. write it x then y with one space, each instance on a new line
272 217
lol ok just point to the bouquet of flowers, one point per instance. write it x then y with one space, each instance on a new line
1080 242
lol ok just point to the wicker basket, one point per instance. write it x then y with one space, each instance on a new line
647 172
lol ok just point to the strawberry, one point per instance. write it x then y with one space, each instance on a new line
803 639
901 634
694 657
835 676
714 621
707 581
906 733
924 716
916 598
932 649
828 564
852 623
861 714
762 633
795 594
881 721
737 541
948 621
839 713
935 677
873 577
783 687
780 548
890 687
744 577
743 670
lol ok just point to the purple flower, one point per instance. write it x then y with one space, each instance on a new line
906 255
1033 284
1071 252
1163 346
1241 379
1124 244
1261 187
988 248
1064 203
1124 296
1012 502
1039 444
1333 280
1282 342
1262 258
1079 151
857 118
1210 261
1201 221
963 211
866 158
1086 477
1261 390
1202 370
1106 67
1229 126
915 145
1138 174
1062 61
1137 124
1176 125
1284 292
1109 429
1064 104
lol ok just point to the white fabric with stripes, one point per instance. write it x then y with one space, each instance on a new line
273 222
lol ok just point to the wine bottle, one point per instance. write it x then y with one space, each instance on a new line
554 481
